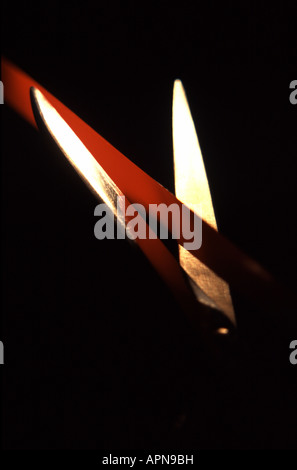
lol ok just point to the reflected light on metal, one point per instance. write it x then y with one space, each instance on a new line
222 331
76 152
191 188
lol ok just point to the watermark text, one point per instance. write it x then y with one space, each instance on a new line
161 221
293 94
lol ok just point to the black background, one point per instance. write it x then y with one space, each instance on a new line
97 354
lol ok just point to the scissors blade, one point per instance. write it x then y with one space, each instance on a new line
192 189
76 152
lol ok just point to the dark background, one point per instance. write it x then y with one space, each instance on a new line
97 354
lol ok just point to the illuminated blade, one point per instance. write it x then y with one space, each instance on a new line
76 152
192 189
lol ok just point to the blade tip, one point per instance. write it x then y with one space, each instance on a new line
177 83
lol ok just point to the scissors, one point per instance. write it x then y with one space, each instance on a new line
199 279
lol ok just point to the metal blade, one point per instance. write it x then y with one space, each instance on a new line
192 189
76 152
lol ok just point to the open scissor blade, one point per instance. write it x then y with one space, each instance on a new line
75 151
192 189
